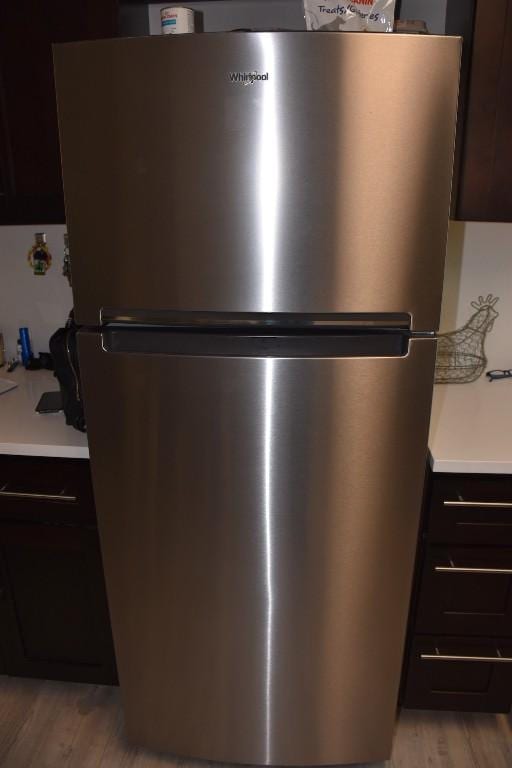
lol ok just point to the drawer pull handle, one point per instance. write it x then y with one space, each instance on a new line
38 496
498 659
484 504
462 569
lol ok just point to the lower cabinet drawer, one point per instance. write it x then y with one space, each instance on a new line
459 674
473 510
49 490
466 591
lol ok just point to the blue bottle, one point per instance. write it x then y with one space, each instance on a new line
26 349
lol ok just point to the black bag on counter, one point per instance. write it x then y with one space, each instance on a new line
67 371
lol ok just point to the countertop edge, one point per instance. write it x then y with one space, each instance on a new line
54 451
454 466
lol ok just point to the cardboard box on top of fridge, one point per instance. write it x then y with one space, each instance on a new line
357 16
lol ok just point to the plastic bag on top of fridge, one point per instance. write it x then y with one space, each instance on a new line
357 16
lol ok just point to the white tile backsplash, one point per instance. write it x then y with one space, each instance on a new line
41 303
479 262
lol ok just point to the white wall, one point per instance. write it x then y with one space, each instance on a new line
40 303
431 11
479 262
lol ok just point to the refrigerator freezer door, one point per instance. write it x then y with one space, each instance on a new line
322 187
258 519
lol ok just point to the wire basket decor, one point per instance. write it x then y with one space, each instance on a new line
461 353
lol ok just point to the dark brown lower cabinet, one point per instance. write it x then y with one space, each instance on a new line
459 650
54 619
466 591
456 673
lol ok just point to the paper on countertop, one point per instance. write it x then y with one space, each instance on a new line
6 385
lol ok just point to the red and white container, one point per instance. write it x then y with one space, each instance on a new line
177 21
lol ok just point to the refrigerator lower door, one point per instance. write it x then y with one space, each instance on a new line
258 519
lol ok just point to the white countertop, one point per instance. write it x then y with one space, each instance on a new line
470 430
471 427
25 432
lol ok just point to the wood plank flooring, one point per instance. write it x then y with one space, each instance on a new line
67 725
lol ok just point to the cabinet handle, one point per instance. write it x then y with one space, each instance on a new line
462 569
38 496
498 659
485 504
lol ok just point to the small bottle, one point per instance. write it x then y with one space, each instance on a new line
66 266
26 349
18 351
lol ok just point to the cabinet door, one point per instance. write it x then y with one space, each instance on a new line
472 510
29 143
457 673
50 490
54 615
466 591
485 111
3 157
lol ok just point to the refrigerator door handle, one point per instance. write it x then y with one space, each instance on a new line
257 343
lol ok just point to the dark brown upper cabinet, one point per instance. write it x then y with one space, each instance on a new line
30 178
483 164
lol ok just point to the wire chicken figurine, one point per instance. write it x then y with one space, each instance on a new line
461 353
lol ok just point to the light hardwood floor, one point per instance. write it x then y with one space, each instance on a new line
66 725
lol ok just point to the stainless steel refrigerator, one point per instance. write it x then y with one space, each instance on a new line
257 224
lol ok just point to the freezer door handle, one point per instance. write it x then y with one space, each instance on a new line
317 321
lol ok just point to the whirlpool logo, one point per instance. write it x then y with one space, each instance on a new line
247 78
